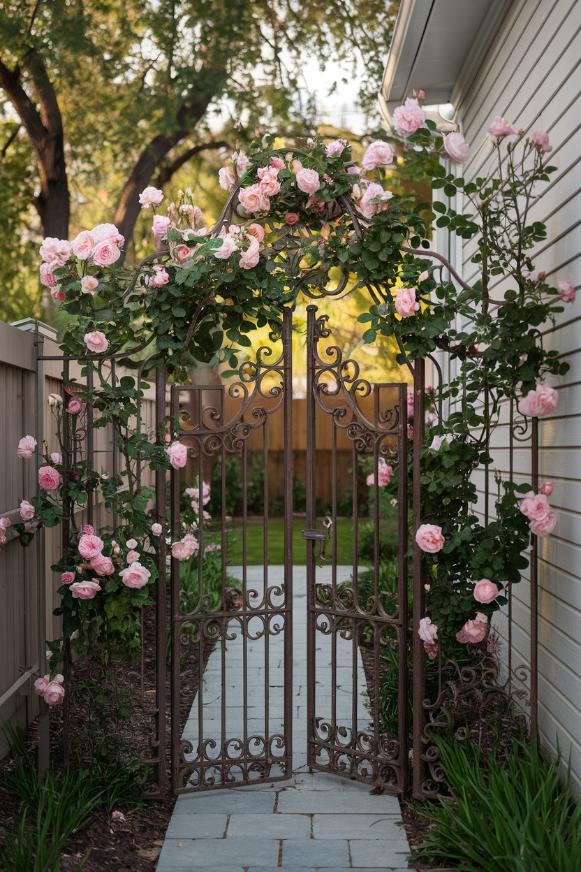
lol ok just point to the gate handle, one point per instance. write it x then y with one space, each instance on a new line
320 535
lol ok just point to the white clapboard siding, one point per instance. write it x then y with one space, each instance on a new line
530 76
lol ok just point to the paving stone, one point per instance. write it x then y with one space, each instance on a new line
270 826
185 825
209 853
258 800
359 826
366 852
309 852
340 802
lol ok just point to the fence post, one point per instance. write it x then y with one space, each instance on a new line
418 588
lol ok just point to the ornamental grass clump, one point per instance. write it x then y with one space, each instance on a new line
517 817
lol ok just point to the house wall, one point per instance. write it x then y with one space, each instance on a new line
530 76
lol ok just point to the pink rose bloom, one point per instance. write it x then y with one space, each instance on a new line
253 199
226 178
567 292
47 277
85 590
54 692
406 304
374 200
26 447
474 631
408 118
90 546
501 127
485 591
291 218
534 506
180 551
269 184
88 530
106 253
89 284
427 631
41 684
250 257
49 479
229 246
256 230
456 147
354 171
107 233
242 162
26 510
546 488
132 556
159 278
178 455
544 525
156 529
131 543
135 576
74 406
307 180
539 402
150 196
384 474
410 401
160 225
82 245
181 252
57 295
277 163
102 565
541 140
378 154
429 538
67 577
53 249
335 148
96 341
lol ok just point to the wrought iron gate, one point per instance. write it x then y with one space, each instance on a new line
357 614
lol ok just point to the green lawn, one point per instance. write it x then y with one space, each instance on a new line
276 544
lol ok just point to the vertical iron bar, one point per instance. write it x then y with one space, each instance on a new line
66 531
114 451
43 718
402 588
311 519
534 589
418 589
288 535
175 608
224 621
265 446
244 619
161 617
90 443
511 479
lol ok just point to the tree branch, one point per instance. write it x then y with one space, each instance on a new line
166 171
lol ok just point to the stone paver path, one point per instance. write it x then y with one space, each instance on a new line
309 822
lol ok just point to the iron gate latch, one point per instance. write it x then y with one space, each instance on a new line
320 536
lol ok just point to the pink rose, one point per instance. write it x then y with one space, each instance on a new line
253 199
26 510
541 140
74 406
229 246
374 200
277 163
384 474
82 245
107 233
181 252
501 127
156 529
49 479
89 284
406 304
159 278
408 117
567 292
378 154
291 218
241 161
354 170
67 577
427 631
150 196
485 591
456 147
41 684
26 447
54 692
546 488
53 249
90 546
335 148
539 402
534 506
135 576
269 183
47 277
185 548
88 530
56 457
132 556
96 341
131 543
544 525
256 230
250 257
429 538
85 590
474 631
307 180
57 295
102 565
178 455
105 253
226 178
160 225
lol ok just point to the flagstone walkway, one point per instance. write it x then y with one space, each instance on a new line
310 822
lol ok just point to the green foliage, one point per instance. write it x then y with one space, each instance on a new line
513 818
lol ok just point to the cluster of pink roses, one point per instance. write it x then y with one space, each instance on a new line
384 474
500 127
537 509
50 689
539 402
406 303
100 246
193 494
186 547
245 240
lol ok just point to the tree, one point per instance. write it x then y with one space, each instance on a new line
143 87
